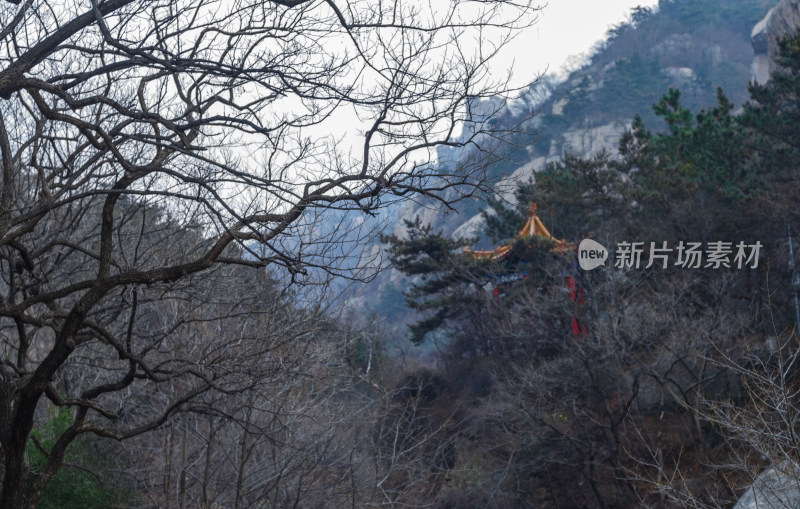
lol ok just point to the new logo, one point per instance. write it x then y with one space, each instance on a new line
591 254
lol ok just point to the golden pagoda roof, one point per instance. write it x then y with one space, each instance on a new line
533 226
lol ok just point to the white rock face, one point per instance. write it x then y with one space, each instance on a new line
781 20
772 489
471 229
680 74
411 212
582 142
558 106
589 141
761 68
505 188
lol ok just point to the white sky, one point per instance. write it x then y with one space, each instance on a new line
566 28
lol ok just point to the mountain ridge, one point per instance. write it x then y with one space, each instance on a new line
695 46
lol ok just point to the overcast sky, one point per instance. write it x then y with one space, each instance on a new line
567 28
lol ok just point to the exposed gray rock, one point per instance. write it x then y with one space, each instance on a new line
679 74
471 229
610 66
781 20
591 140
411 212
582 142
675 45
772 489
558 106
505 188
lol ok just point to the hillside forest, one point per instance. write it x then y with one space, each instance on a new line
166 346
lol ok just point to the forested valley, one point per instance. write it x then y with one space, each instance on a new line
194 311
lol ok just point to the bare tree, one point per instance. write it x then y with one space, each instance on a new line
228 117
283 430
750 418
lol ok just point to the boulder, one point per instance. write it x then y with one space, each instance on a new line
772 489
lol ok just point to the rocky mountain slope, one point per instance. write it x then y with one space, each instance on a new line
781 20
693 45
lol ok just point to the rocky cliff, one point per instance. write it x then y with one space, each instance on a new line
693 45
781 20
